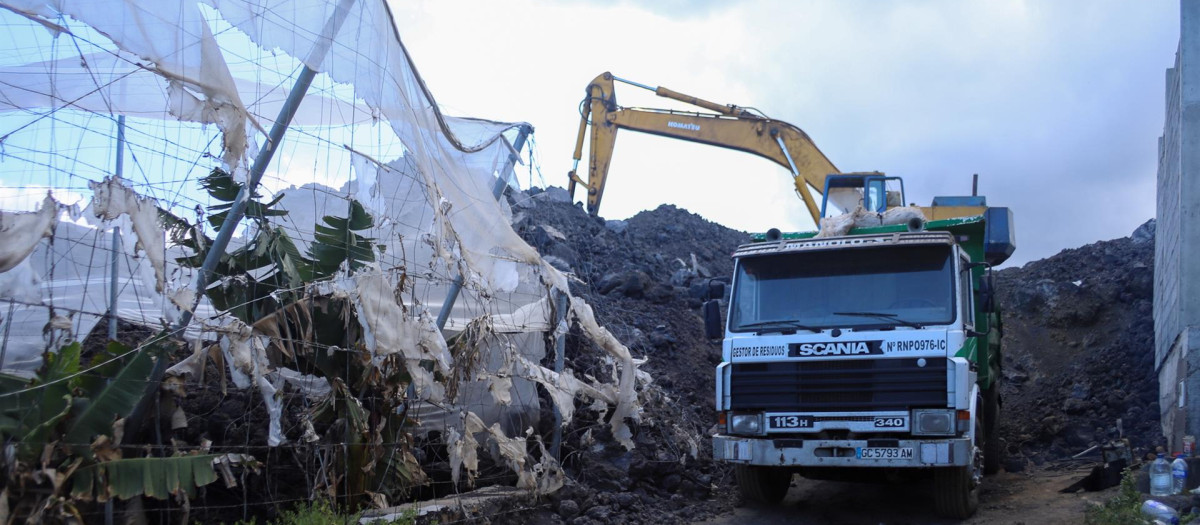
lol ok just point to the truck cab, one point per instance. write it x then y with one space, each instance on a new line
861 357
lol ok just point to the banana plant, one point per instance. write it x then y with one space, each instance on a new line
269 270
263 283
62 432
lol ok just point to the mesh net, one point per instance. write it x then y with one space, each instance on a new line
114 116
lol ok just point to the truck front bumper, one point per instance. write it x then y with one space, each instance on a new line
795 452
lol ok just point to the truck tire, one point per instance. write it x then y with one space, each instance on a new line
763 484
956 489
992 451
954 497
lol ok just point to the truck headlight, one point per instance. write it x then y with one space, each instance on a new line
928 422
745 424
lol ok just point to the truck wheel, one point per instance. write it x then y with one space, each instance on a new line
992 451
763 484
956 489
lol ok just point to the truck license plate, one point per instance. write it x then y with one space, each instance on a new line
885 453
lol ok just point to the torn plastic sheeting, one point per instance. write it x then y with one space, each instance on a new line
533 317
439 146
112 199
625 394
543 477
177 39
563 387
268 389
464 448
184 298
501 389
21 231
389 330
497 366
21 283
513 451
74 257
246 355
237 345
128 88
193 364
842 224
311 386
488 246
479 395
897 215
547 472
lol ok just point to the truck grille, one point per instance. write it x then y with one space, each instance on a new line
828 386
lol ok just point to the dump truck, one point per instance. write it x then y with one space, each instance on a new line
867 354
872 355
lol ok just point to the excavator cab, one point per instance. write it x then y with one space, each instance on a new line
873 190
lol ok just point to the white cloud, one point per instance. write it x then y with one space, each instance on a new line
29 198
1057 105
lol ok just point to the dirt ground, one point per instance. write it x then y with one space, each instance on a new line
1030 497
1077 349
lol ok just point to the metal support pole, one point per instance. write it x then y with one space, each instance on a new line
263 159
560 347
118 170
116 241
114 284
497 190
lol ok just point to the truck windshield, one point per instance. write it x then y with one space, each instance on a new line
899 286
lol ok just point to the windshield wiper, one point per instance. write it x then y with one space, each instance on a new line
882 315
781 324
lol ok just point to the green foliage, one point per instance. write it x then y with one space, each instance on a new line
153 476
269 272
63 424
336 241
320 512
314 513
1122 509
106 404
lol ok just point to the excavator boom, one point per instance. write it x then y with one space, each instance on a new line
732 127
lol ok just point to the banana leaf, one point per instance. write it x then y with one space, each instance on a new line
335 242
107 363
116 400
44 402
39 430
10 384
154 477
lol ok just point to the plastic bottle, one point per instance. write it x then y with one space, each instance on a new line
1160 477
1159 512
1179 474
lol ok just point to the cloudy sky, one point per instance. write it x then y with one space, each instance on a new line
1057 105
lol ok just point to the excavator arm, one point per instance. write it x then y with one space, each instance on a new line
732 127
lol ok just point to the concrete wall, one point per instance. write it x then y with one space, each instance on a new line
1177 239
1166 247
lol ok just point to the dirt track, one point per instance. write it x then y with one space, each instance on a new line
1030 498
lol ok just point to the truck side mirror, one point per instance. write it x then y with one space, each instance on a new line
716 289
712 319
987 292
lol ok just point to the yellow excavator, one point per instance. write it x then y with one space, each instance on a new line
732 127
738 128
